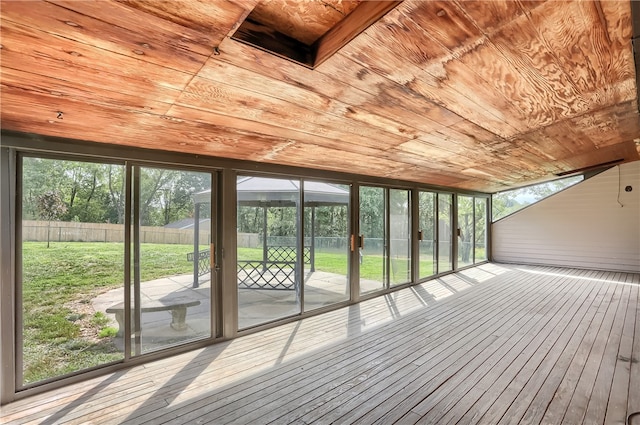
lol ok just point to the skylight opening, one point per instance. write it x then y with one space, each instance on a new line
309 32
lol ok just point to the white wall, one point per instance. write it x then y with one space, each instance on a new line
594 224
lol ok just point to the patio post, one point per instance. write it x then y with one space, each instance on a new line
312 250
299 265
196 244
264 239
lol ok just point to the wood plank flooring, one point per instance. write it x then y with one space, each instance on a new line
494 344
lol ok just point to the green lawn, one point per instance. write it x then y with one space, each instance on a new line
59 283
333 262
59 338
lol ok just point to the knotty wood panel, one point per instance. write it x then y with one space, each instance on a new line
489 16
583 47
113 125
325 153
381 124
244 103
380 55
170 45
31 50
326 86
610 125
478 95
23 82
215 19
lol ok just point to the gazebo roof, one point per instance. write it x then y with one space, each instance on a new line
263 191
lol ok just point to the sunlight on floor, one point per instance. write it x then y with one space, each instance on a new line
573 276
483 272
268 350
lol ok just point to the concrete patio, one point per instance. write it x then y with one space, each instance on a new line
256 306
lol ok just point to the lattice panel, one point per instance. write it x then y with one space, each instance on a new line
287 253
278 275
204 262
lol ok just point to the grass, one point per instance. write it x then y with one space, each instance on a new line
62 334
371 265
59 283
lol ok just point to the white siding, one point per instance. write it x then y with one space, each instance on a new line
594 224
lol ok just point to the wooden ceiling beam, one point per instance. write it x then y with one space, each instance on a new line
361 18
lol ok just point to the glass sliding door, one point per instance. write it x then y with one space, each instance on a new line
426 234
472 230
373 239
70 267
326 244
445 232
172 279
480 240
74 311
399 236
385 238
466 230
269 264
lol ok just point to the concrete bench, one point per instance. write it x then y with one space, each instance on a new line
178 307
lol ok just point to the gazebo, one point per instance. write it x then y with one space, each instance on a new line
267 192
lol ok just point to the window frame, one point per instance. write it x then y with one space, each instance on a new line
225 172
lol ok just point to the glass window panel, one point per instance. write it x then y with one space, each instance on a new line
465 230
268 226
510 201
399 236
445 231
426 223
480 247
72 254
372 233
326 251
174 264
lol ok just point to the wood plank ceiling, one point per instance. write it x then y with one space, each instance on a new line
467 94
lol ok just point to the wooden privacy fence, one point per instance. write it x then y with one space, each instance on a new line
72 231
63 231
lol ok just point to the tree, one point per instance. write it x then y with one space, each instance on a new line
39 176
115 183
372 212
50 207
465 224
510 201
167 195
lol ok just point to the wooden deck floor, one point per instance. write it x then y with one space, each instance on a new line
493 344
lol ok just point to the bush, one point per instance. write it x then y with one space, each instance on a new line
99 319
108 332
